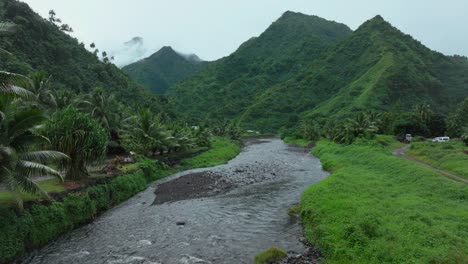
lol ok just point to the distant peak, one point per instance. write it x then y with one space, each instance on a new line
378 18
166 49
375 23
291 14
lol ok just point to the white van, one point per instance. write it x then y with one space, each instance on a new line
441 139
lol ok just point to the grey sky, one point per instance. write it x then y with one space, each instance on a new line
215 28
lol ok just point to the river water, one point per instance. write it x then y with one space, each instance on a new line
227 228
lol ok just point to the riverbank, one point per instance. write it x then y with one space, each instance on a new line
379 208
35 227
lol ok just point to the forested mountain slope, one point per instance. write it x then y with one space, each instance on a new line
39 45
227 87
163 69
375 67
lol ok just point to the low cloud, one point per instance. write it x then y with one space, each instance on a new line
131 51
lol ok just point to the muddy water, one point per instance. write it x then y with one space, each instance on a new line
227 228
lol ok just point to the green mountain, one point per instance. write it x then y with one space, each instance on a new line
375 67
163 69
227 87
39 45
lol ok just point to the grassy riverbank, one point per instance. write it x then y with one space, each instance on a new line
378 208
297 141
448 156
42 223
221 152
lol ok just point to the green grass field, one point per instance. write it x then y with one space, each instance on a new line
379 208
448 156
222 150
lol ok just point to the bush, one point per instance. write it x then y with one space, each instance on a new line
49 223
270 255
151 168
79 208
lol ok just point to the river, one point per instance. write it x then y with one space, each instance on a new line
231 227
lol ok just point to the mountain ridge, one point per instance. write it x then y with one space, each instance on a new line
228 86
163 69
372 68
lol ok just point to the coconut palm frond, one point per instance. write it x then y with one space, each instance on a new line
25 120
43 156
7 28
29 168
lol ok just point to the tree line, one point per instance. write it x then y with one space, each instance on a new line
421 121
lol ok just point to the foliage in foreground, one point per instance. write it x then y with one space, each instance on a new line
20 157
449 156
40 224
270 255
378 208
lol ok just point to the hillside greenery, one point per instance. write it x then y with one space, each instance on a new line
38 45
63 107
163 69
303 67
227 87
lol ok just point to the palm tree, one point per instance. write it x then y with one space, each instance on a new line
310 130
423 112
104 108
9 91
39 85
8 85
146 134
19 161
6 28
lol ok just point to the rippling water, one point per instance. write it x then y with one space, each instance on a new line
229 228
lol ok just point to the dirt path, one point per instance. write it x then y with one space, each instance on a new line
401 152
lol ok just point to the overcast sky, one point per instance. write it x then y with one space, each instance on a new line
215 28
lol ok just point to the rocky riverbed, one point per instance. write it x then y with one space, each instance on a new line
225 214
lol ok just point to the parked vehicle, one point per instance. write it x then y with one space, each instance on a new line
408 138
441 139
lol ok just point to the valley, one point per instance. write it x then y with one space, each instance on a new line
311 142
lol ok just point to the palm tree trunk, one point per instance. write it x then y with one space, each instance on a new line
76 171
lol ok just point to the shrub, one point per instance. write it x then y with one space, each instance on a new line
80 137
79 208
270 255
48 223
151 168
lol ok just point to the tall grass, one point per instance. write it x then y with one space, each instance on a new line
378 208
